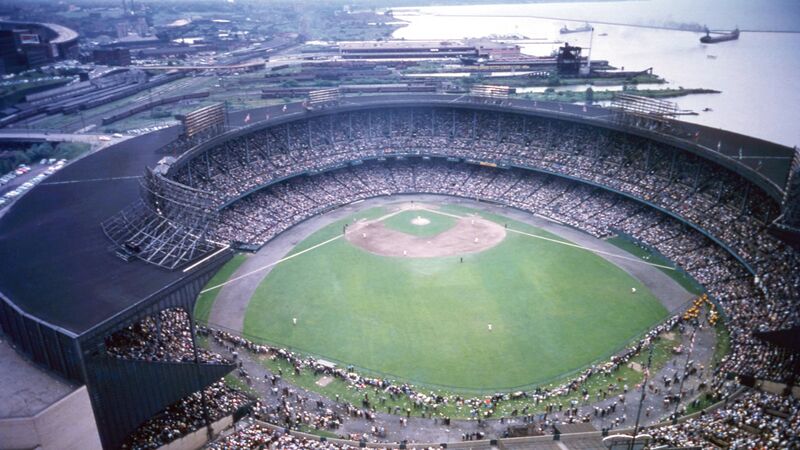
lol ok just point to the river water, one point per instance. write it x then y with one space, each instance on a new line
757 74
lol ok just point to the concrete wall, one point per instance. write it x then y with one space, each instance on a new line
65 425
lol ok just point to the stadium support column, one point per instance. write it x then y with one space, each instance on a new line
743 206
641 399
791 198
349 126
158 327
683 375
474 124
196 355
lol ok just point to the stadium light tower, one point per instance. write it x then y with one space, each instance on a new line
586 70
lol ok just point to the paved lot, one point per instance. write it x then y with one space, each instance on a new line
24 388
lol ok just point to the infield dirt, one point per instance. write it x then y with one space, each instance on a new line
470 234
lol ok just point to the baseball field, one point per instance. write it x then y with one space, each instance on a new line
446 296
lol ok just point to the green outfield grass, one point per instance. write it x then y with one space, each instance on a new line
683 278
402 222
553 309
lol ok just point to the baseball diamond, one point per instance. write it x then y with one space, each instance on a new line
417 308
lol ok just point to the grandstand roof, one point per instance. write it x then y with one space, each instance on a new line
55 258
64 34
61 34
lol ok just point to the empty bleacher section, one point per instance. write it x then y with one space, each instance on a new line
167 227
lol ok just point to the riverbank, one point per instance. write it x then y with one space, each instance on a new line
590 95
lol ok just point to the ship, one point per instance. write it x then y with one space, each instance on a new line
721 37
585 27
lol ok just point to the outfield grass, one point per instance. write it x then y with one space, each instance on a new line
202 308
684 279
402 222
553 309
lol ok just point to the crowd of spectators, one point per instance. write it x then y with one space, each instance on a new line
719 201
186 416
165 337
756 419
746 304
723 204
290 409
428 150
257 436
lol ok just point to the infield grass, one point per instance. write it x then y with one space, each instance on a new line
553 309
403 222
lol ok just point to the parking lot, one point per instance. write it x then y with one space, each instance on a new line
21 180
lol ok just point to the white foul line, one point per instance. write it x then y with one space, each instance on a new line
600 252
222 249
253 272
569 244
271 264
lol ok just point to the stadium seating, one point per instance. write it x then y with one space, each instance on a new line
275 178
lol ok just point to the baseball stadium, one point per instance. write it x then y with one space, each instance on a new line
414 271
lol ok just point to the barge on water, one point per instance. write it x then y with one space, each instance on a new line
722 37
585 27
